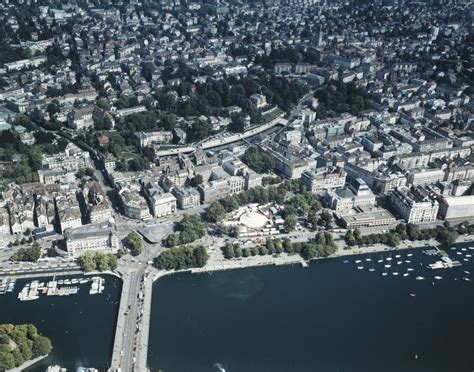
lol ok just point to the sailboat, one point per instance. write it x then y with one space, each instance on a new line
372 269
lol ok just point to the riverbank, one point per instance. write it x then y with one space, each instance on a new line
28 364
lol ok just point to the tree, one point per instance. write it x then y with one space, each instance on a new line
31 254
7 361
326 219
228 250
349 238
135 243
357 235
87 261
215 212
196 180
447 236
41 346
290 222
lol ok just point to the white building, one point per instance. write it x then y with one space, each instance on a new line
414 205
98 237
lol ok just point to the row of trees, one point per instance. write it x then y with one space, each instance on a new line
190 228
21 343
181 258
445 234
100 261
322 245
31 254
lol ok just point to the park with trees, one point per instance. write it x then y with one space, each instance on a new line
31 254
92 261
21 343
181 258
189 229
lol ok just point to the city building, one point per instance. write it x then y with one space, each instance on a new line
101 237
414 205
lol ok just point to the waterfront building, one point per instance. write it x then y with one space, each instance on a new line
96 237
456 207
369 218
414 205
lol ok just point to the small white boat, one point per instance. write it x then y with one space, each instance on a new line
380 261
384 274
407 261
438 277
368 259
412 294
466 279
459 253
409 254
471 248
395 273
465 259
453 248
406 274
468 255
467 272
463 249
371 269
410 269
388 259
399 262
358 261
419 278
397 256
360 267
388 266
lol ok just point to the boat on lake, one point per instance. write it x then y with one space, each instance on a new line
419 278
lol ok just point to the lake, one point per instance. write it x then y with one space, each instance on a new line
81 327
330 316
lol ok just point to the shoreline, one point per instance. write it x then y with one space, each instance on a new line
286 259
28 364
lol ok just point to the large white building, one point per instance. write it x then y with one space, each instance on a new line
330 179
161 203
414 205
456 207
97 237
356 194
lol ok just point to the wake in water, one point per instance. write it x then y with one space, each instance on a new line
219 367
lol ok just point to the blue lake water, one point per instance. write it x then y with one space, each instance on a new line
330 316
81 327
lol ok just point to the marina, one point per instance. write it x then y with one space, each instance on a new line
67 287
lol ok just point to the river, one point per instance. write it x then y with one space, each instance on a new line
81 327
330 316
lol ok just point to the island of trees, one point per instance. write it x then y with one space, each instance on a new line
21 343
